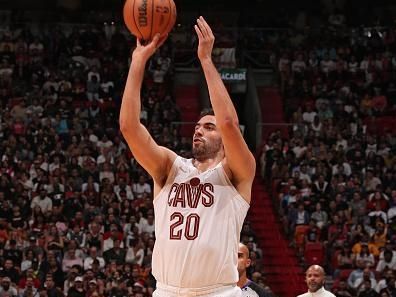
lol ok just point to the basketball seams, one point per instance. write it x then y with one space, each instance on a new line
133 17
138 16
170 15
152 19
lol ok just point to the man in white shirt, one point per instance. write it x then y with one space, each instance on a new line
109 242
298 65
42 200
147 225
309 114
388 262
314 278
141 187
93 254
123 186
392 210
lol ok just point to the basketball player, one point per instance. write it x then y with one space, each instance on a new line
200 203
249 287
314 278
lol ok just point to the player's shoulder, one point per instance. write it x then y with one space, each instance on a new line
304 295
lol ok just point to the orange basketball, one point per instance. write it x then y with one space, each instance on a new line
145 18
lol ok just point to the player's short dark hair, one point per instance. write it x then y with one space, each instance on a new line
206 111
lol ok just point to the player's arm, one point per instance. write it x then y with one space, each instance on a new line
239 159
155 159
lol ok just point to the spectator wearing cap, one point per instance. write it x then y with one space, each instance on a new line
93 288
138 286
77 289
32 245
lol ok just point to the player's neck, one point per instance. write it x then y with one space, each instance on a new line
205 164
243 280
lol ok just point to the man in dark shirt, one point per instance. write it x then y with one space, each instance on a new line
248 287
77 290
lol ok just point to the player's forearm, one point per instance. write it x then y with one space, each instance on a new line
131 105
219 97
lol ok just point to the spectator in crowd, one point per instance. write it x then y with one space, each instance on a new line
315 282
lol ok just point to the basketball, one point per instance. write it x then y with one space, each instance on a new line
145 18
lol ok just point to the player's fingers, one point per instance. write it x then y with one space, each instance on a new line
206 25
201 26
155 40
199 33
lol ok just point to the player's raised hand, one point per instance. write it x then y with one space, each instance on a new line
145 51
206 39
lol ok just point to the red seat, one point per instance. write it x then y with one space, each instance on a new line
314 253
344 273
299 235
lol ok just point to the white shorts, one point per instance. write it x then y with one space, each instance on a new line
222 291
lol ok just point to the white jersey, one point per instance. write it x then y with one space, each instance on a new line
198 220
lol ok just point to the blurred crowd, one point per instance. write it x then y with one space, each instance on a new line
76 215
334 174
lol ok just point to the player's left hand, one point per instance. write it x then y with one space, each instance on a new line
206 39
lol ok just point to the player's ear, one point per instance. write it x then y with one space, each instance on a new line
248 262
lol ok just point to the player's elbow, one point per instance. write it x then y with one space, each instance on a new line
229 123
125 126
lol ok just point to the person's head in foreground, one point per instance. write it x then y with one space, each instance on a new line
314 278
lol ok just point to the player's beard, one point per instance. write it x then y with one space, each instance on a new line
314 286
205 150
